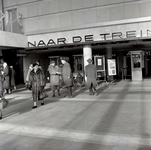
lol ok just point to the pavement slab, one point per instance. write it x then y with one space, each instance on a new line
118 118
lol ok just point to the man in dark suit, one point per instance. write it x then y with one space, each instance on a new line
67 76
90 72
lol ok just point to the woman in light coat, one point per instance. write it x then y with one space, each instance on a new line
54 77
6 77
28 73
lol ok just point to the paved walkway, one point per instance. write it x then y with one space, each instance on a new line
118 118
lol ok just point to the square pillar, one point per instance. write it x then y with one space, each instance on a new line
109 55
87 53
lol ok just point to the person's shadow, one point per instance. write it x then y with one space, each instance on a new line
79 91
145 148
145 135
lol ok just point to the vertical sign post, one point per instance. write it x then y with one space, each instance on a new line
99 61
111 66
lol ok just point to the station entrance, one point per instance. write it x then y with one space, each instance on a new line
77 54
147 71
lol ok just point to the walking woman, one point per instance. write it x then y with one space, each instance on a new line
54 77
36 84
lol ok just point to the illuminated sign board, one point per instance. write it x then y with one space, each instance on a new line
111 64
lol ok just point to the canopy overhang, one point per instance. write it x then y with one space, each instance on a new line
9 40
128 44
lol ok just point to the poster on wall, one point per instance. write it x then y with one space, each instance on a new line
99 62
111 67
136 58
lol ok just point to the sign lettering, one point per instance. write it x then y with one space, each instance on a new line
88 38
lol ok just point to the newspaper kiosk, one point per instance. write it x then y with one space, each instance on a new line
99 61
111 66
137 63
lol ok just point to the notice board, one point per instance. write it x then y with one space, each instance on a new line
111 65
100 63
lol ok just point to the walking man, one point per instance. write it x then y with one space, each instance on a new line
67 76
54 77
90 72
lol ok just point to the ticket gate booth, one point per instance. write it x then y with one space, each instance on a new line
78 64
99 61
137 64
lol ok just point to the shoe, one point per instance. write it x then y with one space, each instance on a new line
53 95
42 103
9 91
91 94
59 94
95 90
96 94
0 118
34 107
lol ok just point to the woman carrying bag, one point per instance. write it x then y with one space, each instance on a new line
36 85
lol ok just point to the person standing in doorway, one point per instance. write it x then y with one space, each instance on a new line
54 77
90 72
67 76
12 79
36 84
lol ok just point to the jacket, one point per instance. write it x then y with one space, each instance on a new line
90 72
67 75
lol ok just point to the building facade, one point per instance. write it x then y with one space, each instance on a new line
79 29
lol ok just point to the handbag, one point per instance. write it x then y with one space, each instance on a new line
28 86
3 103
43 95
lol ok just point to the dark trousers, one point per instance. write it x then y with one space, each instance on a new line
69 91
92 89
